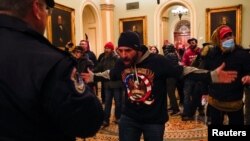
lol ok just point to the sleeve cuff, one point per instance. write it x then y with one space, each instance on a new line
214 77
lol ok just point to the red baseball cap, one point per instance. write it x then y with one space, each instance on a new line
224 30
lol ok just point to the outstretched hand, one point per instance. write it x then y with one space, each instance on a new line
246 79
88 77
221 76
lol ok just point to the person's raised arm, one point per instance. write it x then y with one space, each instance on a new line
216 76
221 76
245 79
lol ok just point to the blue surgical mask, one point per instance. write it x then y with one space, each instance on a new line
228 44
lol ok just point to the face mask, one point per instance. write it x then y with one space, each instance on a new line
228 44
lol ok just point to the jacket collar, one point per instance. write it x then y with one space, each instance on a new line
144 56
16 24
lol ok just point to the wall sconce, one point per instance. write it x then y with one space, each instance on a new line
180 10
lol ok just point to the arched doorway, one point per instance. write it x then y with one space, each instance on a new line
91 27
182 34
160 20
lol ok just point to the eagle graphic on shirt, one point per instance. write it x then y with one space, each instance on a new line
139 84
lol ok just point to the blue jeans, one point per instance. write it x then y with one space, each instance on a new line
131 130
109 94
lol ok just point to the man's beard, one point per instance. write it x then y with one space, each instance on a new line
107 54
131 61
193 47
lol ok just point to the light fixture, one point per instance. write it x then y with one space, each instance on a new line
180 10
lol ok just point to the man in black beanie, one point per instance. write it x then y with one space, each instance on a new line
129 39
39 100
144 75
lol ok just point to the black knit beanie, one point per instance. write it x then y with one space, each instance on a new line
129 39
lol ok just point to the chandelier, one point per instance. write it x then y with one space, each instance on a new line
180 10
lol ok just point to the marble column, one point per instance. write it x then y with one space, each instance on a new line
107 14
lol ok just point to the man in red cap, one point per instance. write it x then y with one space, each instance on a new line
112 88
109 45
223 38
226 98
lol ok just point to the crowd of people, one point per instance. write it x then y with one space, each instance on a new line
49 94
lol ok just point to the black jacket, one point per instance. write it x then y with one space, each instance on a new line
237 60
146 99
38 100
148 104
107 63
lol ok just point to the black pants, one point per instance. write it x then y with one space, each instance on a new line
217 116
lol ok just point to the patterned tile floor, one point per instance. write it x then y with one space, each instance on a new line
175 130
